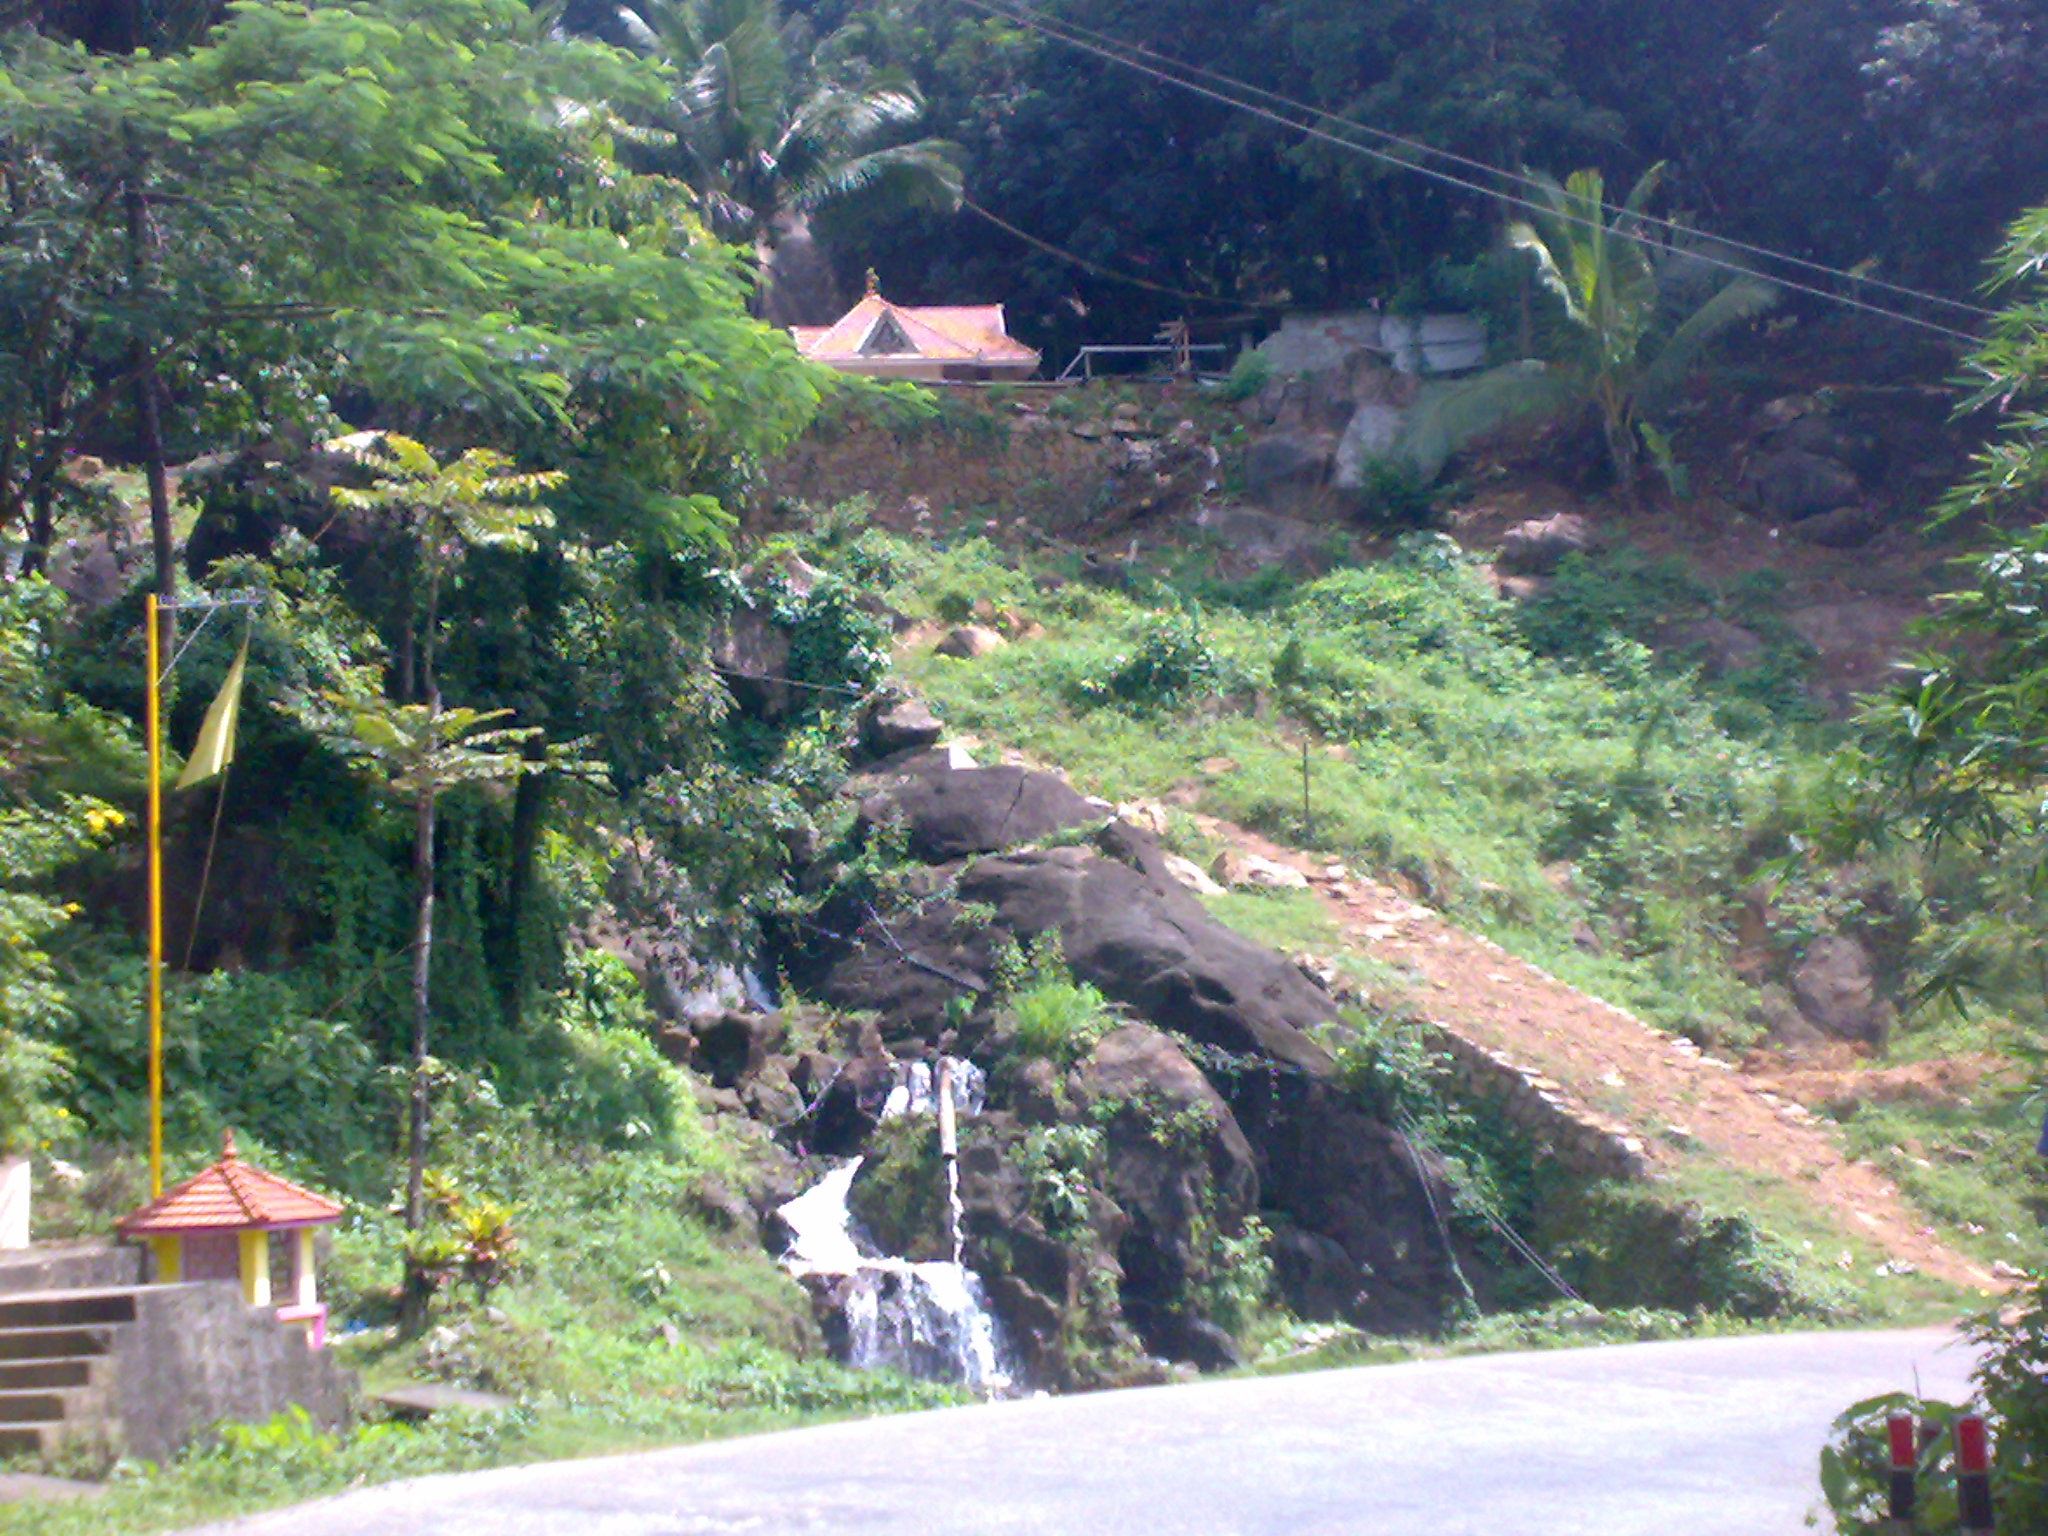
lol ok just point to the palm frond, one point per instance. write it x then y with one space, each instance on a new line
836 119
926 174
1741 300
1446 419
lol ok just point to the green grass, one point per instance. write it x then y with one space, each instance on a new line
637 1317
1536 774
1534 797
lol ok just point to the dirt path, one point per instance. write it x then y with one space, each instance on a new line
1612 1063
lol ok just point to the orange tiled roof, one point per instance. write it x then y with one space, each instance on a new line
230 1196
969 333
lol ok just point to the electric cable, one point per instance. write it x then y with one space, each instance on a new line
1050 25
1314 131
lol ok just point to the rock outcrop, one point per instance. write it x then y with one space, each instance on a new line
1215 1101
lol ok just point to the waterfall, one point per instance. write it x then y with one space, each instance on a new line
930 1320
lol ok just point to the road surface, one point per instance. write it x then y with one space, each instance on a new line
1697 1438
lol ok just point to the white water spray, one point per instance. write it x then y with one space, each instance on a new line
929 1320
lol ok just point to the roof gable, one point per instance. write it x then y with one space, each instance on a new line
875 328
229 1196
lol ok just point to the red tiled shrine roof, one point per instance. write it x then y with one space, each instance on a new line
230 1196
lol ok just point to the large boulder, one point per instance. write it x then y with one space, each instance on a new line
1787 485
952 813
1835 985
1372 435
1231 1024
1719 646
751 652
1286 467
889 726
1179 1168
1844 528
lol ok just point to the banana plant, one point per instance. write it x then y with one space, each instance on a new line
1619 354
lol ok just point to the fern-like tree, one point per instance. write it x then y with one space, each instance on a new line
420 750
1620 354
1953 759
768 128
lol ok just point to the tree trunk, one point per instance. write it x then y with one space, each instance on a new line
42 530
422 997
529 815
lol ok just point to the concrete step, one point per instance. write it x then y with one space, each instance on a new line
35 1439
72 1371
68 1267
54 1343
57 1309
37 1407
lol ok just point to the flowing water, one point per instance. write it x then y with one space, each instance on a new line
930 1320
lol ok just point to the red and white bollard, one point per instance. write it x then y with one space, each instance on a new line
1905 1451
1973 1473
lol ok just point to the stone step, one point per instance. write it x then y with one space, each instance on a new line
68 1267
52 1343
58 1309
34 1439
61 1371
38 1407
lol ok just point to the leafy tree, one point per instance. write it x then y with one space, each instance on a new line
1615 358
421 750
767 131
303 187
421 753
51 750
1954 758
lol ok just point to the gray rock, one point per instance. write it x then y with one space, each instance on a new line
751 652
953 813
1835 986
1370 435
1286 463
1790 484
970 642
1720 646
1539 546
901 725
1844 528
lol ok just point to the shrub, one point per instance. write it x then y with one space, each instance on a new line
1250 374
1171 662
1392 496
2012 1379
1050 1013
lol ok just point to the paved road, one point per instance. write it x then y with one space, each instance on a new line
1699 1438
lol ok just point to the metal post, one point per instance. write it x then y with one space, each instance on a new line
153 710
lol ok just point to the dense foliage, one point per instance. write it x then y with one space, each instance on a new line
1887 132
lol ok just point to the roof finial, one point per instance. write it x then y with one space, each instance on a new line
227 1145
874 284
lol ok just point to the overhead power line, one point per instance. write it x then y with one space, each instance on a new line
1520 178
1117 55
1097 269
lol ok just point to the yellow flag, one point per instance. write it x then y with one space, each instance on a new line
215 748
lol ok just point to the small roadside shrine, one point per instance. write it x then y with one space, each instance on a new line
220 1224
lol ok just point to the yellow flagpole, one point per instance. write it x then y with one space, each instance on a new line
156 905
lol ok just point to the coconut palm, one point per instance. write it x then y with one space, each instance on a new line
768 131
1620 356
